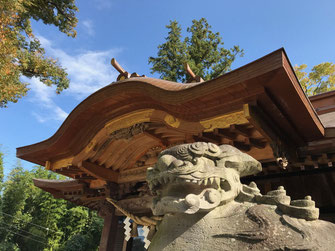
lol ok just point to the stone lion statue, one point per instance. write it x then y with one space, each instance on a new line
204 206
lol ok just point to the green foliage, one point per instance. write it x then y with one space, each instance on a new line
87 238
171 55
21 53
320 79
203 50
31 219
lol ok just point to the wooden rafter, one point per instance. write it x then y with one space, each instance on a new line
104 146
163 141
106 154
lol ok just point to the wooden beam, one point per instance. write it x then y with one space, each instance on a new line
98 172
242 146
64 171
109 232
84 176
208 137
225 133
270 131
257 143
258 122
69 170
57 164
134 174
238 129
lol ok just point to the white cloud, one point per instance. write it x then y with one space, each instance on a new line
103 4
43 96
89 28
88 71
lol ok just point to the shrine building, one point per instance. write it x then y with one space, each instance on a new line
109 140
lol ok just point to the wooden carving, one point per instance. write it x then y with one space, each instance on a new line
224 121
172 121
129 120
129 132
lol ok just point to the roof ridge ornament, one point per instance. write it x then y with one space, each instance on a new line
193 78
123 74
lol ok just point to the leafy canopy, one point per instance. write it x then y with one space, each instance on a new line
320 79
203 50
21 53
31 219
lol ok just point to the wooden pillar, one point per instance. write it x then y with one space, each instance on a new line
109 231
124 247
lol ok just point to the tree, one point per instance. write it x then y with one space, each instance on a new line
203 50
21 53
171 55
320 79
31 219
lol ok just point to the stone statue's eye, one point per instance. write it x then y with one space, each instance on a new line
195 161
177 163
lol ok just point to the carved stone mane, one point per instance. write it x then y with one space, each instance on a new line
205 207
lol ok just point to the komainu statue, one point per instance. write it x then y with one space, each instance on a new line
205 207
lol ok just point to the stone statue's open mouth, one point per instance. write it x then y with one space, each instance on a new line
190 193
174 184
197 177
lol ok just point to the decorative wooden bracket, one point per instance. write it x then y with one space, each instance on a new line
123 74
193 78
98 172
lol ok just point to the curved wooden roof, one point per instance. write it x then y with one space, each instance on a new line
108 141
268 83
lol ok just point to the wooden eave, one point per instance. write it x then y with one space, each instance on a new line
324 103
60 187
79 193
268 83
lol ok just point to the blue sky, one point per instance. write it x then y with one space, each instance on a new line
131 30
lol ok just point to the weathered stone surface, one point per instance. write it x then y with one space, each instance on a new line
205 207
242 226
